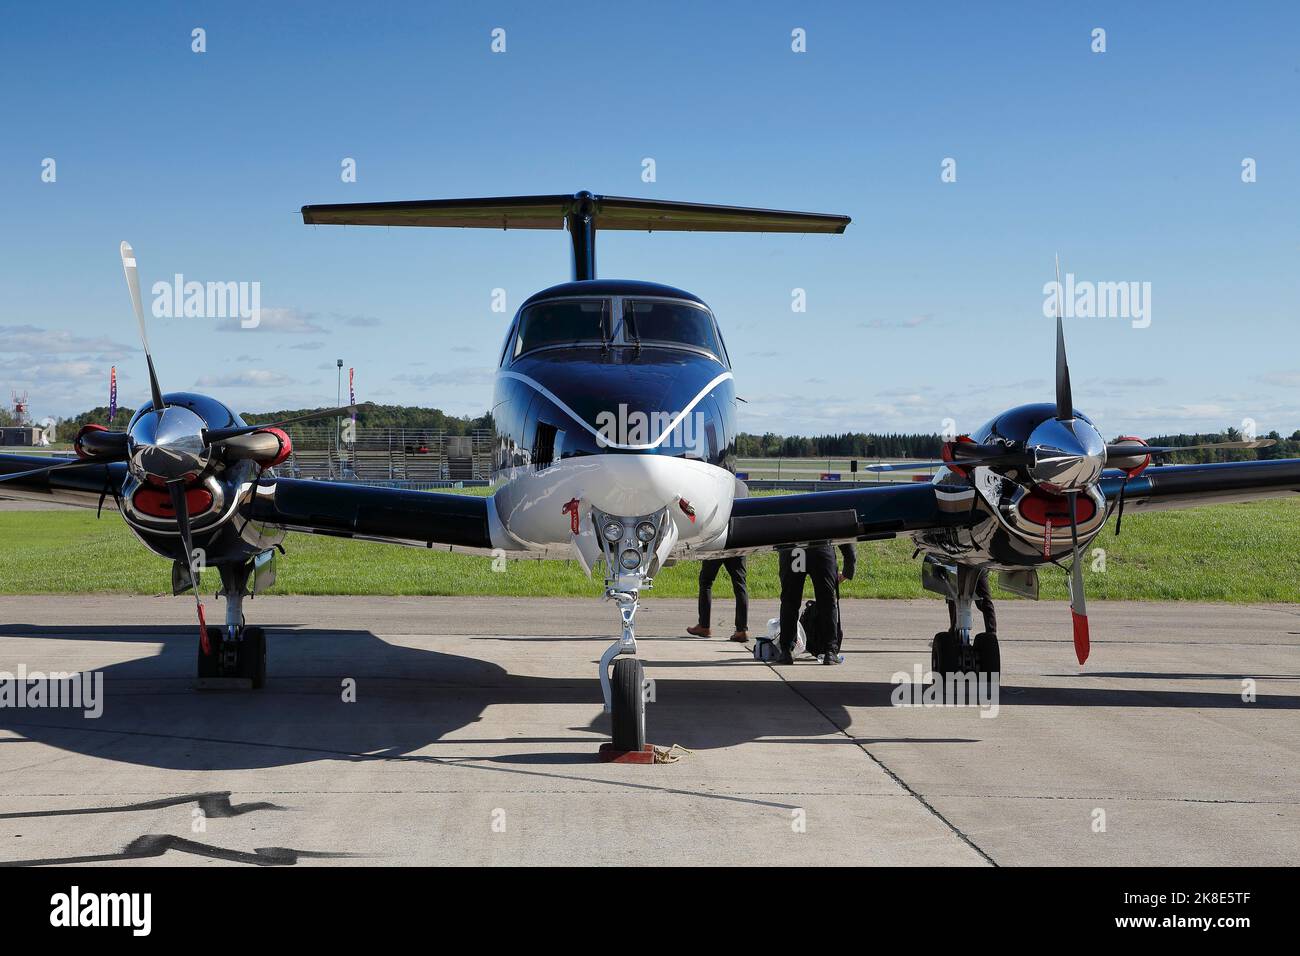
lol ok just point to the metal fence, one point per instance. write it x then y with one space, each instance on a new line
405 455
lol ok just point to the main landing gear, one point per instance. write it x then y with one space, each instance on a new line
954 653
235 650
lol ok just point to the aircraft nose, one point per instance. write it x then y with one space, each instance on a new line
1068 454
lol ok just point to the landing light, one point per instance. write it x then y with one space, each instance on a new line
646 531
630 559
613 531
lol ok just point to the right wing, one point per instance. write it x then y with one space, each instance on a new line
84 485
1190 486
869 512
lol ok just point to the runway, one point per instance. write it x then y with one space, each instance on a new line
473 735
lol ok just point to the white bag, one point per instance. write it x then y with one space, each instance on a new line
768 646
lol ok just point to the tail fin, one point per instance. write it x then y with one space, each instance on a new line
581 213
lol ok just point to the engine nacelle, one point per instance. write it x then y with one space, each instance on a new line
1132 465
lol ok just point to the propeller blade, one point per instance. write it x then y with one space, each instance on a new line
221 434
181 507
1078 605
133 283
45 469
907 466
1064 397
1137 451
1016 459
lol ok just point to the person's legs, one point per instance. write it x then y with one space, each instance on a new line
708 573
823 571
736 568
984 601
791 598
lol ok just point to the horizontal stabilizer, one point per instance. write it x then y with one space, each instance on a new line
550 212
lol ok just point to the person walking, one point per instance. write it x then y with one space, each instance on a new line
709 569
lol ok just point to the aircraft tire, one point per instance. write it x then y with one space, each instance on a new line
988 657
252 656
627 685
945 656
210 664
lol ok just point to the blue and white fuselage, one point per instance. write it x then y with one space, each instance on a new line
612 398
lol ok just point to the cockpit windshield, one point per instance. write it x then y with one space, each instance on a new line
563 322
660 322
644 322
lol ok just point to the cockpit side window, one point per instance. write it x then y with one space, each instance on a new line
563 322
505 348
669 323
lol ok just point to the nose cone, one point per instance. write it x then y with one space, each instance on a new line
1069 455
168 446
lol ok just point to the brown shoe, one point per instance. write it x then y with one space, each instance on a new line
740 637
699 631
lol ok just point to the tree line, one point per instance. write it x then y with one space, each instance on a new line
929 446
368 416
890 445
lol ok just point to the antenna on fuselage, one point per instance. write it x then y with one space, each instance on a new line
581 214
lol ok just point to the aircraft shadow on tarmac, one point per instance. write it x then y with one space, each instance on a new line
409 699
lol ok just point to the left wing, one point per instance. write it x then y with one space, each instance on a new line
1187 486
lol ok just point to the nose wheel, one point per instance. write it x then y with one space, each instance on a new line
238 656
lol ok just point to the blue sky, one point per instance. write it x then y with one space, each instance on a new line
1127 162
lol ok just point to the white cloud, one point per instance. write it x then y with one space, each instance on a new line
253 377
37 341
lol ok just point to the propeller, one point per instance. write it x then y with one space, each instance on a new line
182 509
215 435
1065 412
133 284
1078 604
1134 450
1064 398
968 455
45 469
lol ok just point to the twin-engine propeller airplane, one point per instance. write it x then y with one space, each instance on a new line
615 412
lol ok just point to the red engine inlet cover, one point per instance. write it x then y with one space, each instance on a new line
158 503
1039 507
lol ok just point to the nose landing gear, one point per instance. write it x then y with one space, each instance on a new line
633 550
236 652
624 688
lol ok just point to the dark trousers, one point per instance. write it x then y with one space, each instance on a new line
983 601
708 573
818 564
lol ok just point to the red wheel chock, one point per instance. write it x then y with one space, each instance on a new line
608 754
